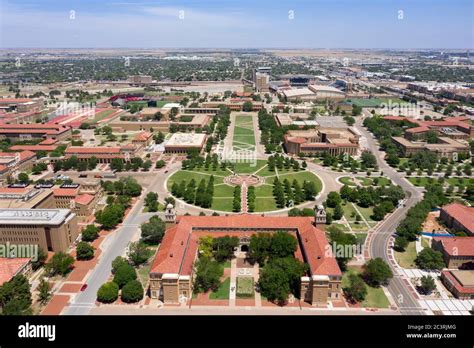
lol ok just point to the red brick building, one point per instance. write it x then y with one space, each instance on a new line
171 273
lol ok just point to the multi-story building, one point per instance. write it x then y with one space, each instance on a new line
102 154
458 252
334 141
19 132
16 161
172 275
458 217
51 229
185 142
459 282
446 147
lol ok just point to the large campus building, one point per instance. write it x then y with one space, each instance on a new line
51 229
171 274
19 132
458 217
334 141
184 142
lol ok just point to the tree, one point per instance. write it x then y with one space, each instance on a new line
116 164
377 272
90 233
40 260
110 216
117 262
333 199
44 292
108 292
247 106
15 296
23 177
339 240
427 284
208 274
205 246
400 243
138 253
151 201
338 212
224 247
429 259
124 274
259 248
61 263
282 245
153 230
132 292
357 290
84 251
280 277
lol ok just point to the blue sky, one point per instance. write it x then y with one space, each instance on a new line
237 23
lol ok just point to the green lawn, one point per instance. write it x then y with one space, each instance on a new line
375 296
189 175
244 133
346 180
249 168
224 190
423 181
302 176
406 259
245 288
265 204
103 114
264 191
222 292
223 204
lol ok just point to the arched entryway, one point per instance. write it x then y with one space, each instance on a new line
244 248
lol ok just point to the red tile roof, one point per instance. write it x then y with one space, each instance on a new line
91 150
462 214
84 199
142 136
9 267
47 148
459 287
178 248
457 246
60 192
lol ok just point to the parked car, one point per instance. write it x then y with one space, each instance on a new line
83 287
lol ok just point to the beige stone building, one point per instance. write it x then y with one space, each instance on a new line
52 229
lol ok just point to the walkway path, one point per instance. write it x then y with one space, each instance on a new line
256 274
243 198
233 282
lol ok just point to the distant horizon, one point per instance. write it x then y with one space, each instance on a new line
245 48
246 24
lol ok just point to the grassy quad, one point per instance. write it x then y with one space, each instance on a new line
244 133
223 193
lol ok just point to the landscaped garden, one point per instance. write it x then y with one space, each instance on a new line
281 183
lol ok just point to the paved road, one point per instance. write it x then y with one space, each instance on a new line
379 244
113 246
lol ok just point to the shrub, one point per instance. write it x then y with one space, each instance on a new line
132 292
108 292
124 274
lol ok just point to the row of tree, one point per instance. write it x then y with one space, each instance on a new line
200 195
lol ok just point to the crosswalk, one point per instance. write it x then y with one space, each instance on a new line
448 306
417 273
